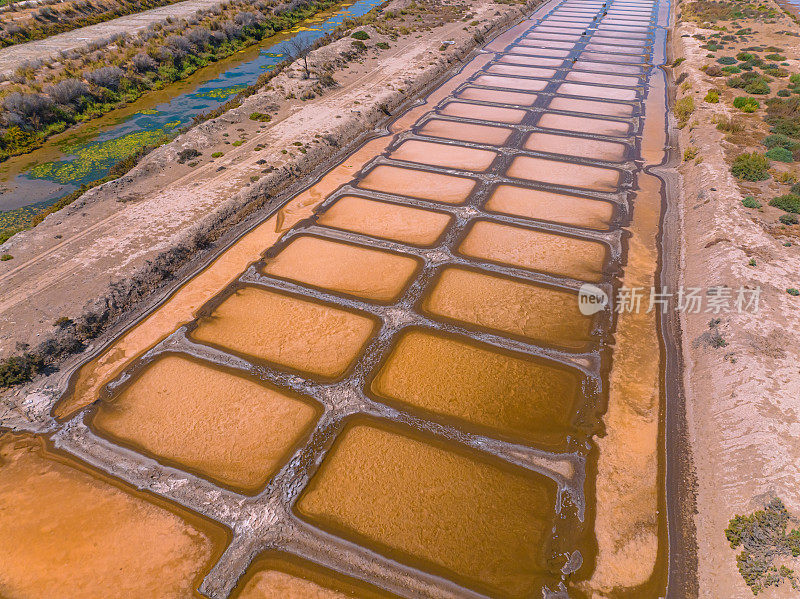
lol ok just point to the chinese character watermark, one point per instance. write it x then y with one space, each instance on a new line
691 300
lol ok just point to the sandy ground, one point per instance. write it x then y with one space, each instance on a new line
742 398
112 232
13 57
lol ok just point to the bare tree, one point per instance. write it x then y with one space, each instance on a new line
298 48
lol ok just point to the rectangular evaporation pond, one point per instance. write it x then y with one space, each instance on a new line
483 113
285 576
436 506
444 155
483 134
572 21
504 395
618 41
501 69
299 334
581 124
413 183
535 250
552 207
509 306
602 79
385 220
71 532
627 35
564 173
531 60
562 31
617 49
532 85
498 97
594 91
622 28
605 67
620 58
203 418
550 40
576 146
541 51
627 21
343 268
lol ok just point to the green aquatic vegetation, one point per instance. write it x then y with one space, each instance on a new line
221 93
93 158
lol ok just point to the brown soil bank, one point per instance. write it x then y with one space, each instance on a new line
741 377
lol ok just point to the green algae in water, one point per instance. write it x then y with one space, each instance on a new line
98 157
221 93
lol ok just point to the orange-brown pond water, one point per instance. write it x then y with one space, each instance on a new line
70 533
387 387
506 395
206 419
286 330
428 503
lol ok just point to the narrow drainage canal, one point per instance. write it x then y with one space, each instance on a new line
31 182
387 388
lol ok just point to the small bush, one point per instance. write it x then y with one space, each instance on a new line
712 97
731 70
143 62
108 77
216 154
780 155
726 60
712 70
382 45
775 57
746 104
758 87
67 91
360 35
260 117
795 292
684 109
6 257
778 141
788 219
784 93
238 143
18 369
751 167
795 189
788 203
690 153
187 154
750 202
359 45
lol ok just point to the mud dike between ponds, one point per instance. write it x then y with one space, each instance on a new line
401 397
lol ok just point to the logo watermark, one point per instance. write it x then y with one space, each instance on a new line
691 300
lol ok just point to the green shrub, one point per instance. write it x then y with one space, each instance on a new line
795 292
216 154
795 189
360 35
712 97
758 87
731 70
750 202
382 45
775 57
745 56
6 257
746 104
780 155
726 60
778 141
359 45
751 167
238 143
260 116
784 93
788 219
684 109
18 369
794 78
788 203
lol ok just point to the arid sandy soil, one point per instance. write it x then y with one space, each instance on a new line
116 229
13 57
742 381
